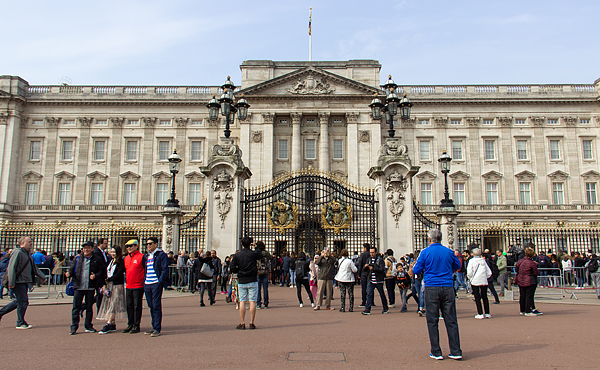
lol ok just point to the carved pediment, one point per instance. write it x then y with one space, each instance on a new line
162 175
591 175
310 81
64 175
525 176
426 176
459 176
194 176
492 176
558 175
129 175
32 176
97 175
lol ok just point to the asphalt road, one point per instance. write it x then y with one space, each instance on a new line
565 337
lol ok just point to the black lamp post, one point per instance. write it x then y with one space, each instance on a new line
226 103
174 161
445 160
391 106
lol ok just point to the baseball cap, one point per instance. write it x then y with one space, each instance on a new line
132 241
90 243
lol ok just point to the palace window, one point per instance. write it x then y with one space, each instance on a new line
426 193
490 150
133 122
457 154
558 193
162 193
423 122
338 149
590 193
310 148
492 193
35 150
129 196
584 121
131 152
101 122
459 192
196 123
164 123
555 150
99 148
196 151
587 149
525 193
64 193
282 149
552 121
195 197
31 193
70 122
37 122
424 151
67 150
519 122
522 150
488 121
97 193
164 149
455 122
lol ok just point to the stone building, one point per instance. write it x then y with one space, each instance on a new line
89 153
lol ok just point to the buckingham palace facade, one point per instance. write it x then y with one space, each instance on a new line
95 153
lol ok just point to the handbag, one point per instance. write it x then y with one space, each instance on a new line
206 270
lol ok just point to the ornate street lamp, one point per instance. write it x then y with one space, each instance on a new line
392 104
445 160
174 161
226 103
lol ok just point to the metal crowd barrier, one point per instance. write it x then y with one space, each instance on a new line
182 278
42 292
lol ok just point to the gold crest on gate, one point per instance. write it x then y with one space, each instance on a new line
282 215
336 215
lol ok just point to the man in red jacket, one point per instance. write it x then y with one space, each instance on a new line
135 274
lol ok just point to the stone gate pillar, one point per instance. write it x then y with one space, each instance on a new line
393 187
170 232
226 175
448 226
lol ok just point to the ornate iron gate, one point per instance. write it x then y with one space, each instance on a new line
192 232
308 211
421 225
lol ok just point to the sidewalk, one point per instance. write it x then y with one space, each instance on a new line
547 295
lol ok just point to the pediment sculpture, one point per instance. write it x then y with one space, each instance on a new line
311 85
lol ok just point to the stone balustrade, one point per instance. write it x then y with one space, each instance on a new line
122 91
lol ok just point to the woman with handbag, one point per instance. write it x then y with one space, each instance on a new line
302 278
478 273
204 271
526 279
345 279
113 304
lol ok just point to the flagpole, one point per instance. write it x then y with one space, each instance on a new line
309 34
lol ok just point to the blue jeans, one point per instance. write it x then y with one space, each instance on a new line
20 303
460 280
442 299
285 274
263 289
292 277
417 292
154 300
370 296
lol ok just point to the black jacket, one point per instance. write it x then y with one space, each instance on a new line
97 267
197 266
161 267
244 264
378 268
118 277
363 260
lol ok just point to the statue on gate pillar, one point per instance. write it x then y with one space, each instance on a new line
226 175
392 176
170 232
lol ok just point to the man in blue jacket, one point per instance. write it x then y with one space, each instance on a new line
156 263
438 263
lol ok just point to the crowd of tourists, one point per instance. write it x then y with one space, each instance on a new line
116 280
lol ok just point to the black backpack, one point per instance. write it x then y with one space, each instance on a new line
494 268
263 266
593 266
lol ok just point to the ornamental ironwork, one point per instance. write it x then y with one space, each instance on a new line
282 215
336 215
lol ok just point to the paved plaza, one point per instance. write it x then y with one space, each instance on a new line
288 336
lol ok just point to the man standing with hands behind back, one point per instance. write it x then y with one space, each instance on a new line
438 263
244 264
156 263
135 274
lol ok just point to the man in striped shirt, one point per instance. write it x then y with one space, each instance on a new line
156 263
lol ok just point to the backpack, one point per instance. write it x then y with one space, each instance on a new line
593 265
391 269
264 266
494 268
70 288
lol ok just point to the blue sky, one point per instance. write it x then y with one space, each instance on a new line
196 43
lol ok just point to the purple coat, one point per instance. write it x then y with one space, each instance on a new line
527 273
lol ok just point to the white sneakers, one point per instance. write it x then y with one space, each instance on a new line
301 305
480 317
486 316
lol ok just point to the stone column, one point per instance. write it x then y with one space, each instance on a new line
115 160
448 227
170 232
392 176
226 175
296 141
324 158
